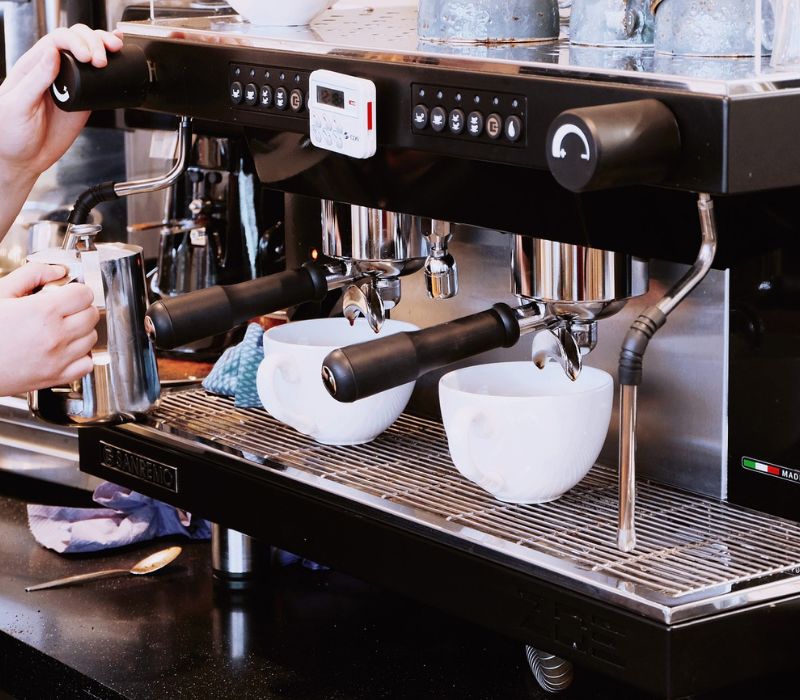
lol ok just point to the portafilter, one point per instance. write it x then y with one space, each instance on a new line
365 251
563 291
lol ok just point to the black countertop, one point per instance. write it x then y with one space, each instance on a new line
300 635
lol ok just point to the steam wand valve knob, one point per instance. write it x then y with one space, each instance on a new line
628 143
441 271
124 82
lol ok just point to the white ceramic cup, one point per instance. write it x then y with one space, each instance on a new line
523 434
290 384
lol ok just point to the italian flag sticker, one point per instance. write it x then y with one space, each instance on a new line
772 470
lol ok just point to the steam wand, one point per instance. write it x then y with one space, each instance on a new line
108 191
630 368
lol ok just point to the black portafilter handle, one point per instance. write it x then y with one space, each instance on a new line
123 83
183 319
357 371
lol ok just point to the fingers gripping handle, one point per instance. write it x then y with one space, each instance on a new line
184 319
124 82
361 370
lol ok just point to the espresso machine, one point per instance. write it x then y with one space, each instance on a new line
592 195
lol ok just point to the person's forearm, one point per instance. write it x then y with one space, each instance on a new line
14 190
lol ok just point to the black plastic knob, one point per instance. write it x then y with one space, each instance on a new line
122 83
629 143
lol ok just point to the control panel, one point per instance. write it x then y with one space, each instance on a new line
494 118
269 89
342 110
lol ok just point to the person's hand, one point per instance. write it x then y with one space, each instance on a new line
46 337
35 133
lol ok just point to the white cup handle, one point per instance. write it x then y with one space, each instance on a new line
466 423
274 372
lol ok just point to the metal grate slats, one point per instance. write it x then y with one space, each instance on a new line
687 544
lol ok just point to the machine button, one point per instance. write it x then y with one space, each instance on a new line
281 98
494 126
456 121
513 129
266 96
236 92
438 119
297 100
475 124
250 94
420 117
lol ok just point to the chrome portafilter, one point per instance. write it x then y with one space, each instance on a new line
577 286
376 248
563 291
365 253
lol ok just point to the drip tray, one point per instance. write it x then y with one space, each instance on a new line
695 556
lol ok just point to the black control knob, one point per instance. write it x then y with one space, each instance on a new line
122 83
630 143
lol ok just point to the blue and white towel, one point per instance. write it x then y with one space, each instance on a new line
234 374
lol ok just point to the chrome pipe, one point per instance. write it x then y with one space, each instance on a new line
708 249
626 532
153 184
646 326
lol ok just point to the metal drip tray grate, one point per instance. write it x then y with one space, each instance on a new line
690 548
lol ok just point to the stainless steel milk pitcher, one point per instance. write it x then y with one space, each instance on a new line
124 382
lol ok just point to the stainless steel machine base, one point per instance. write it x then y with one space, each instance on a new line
696 555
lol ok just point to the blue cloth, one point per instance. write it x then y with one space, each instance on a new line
126 517
234 374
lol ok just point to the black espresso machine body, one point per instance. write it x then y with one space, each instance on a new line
668 618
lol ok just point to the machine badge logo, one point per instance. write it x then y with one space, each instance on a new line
61 95
784 473
156 473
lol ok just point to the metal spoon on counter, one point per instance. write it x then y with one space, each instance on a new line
148 565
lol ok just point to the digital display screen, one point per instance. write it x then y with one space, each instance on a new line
332 98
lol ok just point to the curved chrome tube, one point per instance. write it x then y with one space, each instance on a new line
701 266
153 184
626 534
